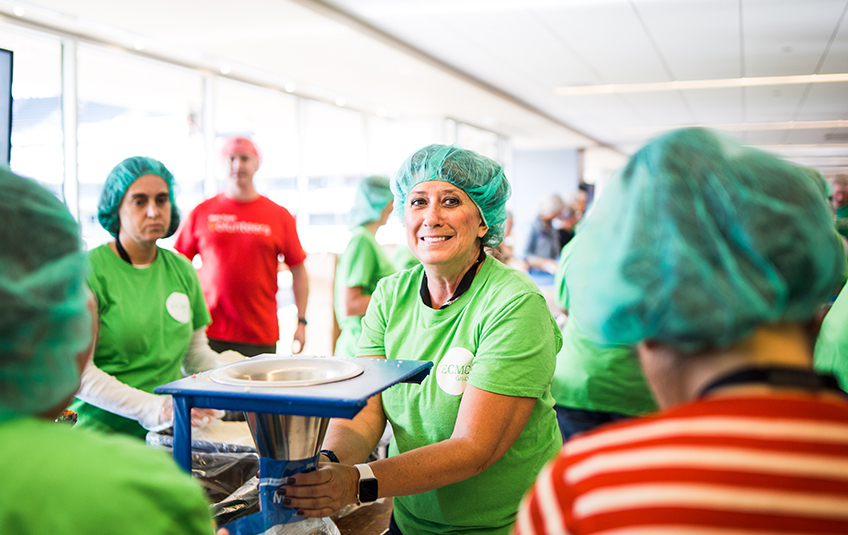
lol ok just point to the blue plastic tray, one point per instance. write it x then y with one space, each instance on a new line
343 399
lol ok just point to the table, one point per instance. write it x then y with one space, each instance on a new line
367 520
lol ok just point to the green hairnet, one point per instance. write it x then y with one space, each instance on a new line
481 178
698 241
120 178
44 318
372 196
820 181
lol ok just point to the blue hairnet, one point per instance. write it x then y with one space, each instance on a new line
44 318
120 178
699 241
481 178
372 196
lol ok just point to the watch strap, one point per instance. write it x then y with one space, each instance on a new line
365 472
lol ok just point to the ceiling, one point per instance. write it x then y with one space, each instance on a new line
595 74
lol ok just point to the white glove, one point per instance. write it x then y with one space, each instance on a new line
200 357
106 392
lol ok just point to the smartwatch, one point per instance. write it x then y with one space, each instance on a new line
367 492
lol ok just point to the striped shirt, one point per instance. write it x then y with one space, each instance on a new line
720 466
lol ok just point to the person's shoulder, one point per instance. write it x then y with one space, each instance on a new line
100 255
70 448
402 281
499 275
175 260
121 467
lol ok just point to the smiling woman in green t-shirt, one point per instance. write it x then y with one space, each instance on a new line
470 438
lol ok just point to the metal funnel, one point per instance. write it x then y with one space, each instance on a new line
285 437
281 436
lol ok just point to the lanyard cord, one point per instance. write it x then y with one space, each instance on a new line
780 376
121 251
463 287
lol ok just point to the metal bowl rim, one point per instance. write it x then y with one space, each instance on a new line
349 370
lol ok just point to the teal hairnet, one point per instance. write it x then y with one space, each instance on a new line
372 196
44 318
481 178
699 241
820 181
120 178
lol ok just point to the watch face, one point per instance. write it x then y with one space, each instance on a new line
367 490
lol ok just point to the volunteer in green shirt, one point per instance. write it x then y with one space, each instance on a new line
593 384
839 200
152 313
57 481
363 262
468 441
831 354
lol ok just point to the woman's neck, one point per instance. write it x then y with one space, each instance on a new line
782 345
140 253
442 282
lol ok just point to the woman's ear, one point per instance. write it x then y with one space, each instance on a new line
482 230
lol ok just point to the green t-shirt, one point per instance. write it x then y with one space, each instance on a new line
147 317
499 336
363 264
842 220
403 257
58 481
590 376
831 355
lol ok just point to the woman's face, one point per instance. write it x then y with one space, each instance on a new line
145 212
443 225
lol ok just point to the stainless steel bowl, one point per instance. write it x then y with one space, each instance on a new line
285 372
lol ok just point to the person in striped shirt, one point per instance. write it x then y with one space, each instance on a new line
716 258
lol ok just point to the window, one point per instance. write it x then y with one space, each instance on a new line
36 111
129 106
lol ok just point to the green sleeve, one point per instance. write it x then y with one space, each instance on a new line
513 364
831 353
358 265
372 341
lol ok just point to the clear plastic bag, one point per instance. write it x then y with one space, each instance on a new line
220 468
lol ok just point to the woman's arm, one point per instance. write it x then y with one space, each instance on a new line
487 426
355 301
200 357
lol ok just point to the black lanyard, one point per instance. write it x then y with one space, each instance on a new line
463 287
121 251
778 376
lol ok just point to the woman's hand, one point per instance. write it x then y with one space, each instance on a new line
199 417
323 492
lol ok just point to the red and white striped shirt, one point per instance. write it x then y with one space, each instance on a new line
720 466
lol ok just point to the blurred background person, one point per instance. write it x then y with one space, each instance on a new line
241 237
831 353
151 310
402 257
715 260
469 440
839 201
57 481
363 262
593 384
544 243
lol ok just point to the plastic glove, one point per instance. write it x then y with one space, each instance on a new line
198 417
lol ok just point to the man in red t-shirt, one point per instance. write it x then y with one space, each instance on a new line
241 237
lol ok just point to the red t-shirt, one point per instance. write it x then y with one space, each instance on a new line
753 464
240 244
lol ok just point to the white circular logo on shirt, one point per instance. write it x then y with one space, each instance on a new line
178 307
452 375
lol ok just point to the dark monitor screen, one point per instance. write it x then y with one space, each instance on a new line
5 105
